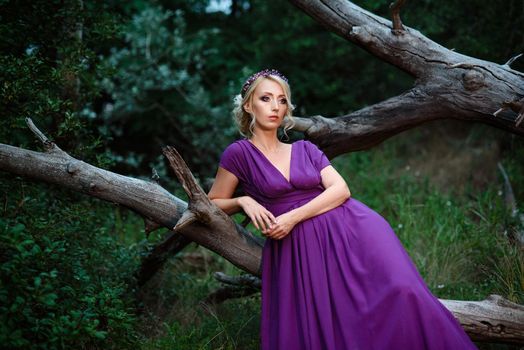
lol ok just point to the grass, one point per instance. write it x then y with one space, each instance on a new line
439 188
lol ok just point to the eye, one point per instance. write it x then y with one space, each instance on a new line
283 101
265 98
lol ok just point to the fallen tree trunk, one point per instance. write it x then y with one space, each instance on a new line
203 222
148 199
448 85
494 319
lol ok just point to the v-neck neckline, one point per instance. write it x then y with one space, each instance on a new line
272 165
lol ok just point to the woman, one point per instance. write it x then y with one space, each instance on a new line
334 274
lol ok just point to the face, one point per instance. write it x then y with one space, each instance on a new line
268 104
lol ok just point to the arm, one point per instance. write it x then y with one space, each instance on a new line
335 193
221 193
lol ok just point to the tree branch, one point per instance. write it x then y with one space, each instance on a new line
395 7
148 199
448 84
512 59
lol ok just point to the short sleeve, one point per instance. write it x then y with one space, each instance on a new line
318 158
231 160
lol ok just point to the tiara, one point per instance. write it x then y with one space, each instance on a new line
262 73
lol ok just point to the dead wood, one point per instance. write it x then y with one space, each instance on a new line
448 85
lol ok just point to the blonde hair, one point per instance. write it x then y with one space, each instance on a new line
246 121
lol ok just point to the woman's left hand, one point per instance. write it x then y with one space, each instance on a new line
284 224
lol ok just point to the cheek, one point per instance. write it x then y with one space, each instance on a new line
257 107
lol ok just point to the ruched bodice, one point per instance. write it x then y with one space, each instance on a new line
266 184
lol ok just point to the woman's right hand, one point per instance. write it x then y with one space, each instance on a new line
262 218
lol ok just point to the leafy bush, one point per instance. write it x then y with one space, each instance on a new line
64 278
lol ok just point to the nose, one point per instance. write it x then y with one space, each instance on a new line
274 105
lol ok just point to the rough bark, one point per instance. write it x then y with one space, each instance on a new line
494 319
448 84
148 199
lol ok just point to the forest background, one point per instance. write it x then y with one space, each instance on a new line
111 82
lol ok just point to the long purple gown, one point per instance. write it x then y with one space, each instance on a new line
341 279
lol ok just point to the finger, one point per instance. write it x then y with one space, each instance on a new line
280 233
272 217
254 221
265 222
274 229
260 223
269 222
274 234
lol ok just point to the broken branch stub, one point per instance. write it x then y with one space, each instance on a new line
398 28
223 236
200 208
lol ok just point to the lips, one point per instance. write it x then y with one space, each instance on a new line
273 117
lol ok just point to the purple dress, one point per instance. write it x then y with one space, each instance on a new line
339 280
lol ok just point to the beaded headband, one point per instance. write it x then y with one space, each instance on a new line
263 73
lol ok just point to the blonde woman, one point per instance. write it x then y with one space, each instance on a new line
334 274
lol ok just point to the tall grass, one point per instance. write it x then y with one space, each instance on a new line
437 190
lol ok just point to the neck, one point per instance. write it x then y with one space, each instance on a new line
266 139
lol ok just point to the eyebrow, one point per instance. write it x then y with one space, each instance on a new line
267 92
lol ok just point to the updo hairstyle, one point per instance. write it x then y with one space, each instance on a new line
245 121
